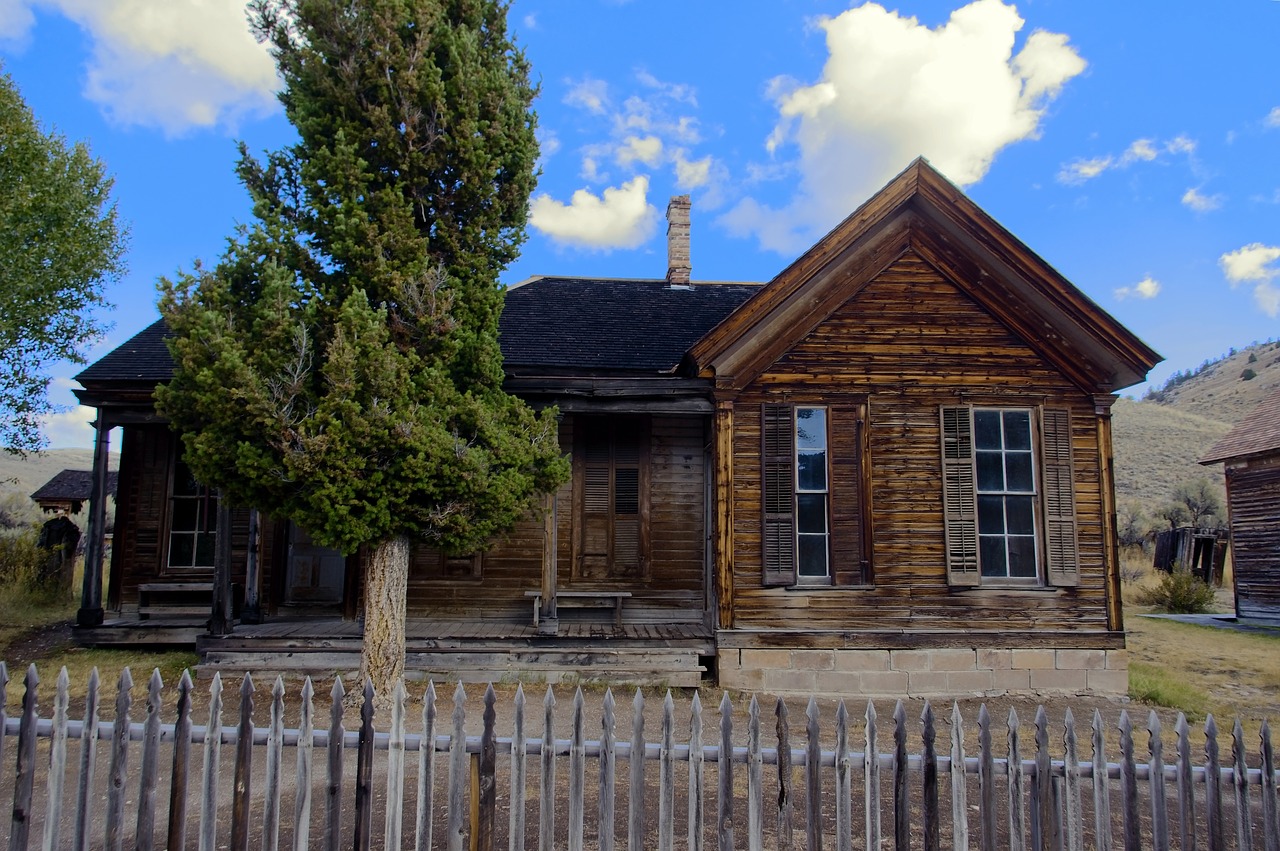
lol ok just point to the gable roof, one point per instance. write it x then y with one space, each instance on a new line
601 324
921 211
1257 434
142 358
73 485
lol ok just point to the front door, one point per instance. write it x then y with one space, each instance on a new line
316 575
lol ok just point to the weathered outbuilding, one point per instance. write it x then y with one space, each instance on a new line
1251 454
888 470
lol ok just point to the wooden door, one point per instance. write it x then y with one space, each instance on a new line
316 575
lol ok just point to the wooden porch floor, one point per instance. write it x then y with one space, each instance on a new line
468 650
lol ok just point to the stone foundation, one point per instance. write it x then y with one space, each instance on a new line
939 672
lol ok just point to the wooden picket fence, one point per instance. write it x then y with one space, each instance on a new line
1036 802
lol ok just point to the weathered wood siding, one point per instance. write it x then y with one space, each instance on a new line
1253 493
674 588
909 342
139 546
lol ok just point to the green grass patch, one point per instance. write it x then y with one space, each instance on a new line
1156 686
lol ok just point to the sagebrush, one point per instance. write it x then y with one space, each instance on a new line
1179 594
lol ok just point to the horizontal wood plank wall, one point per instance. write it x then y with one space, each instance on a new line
911 341
1253 492
673 591
139 547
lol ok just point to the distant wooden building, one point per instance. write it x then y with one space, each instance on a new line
69 490
1251 453
886 471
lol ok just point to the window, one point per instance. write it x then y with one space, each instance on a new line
812 495
429 563
193 522
1010 511
611 491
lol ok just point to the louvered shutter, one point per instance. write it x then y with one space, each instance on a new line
597 473
778 494
626 498
847 429
1062 554
959 497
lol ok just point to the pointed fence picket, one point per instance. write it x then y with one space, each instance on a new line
995 802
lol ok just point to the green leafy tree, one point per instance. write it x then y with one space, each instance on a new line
1202 501
340 366
60 245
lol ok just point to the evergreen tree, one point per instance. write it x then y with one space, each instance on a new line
60 244
340 366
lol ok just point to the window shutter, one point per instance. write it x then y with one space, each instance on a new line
626 499
778 494
959 497
1062 553
847 430
597 469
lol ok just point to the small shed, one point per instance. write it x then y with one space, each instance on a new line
68 490
1251 453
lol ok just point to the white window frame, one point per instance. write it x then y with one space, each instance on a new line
825 491
1035 496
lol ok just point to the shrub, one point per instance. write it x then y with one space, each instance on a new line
1253 358
20 564
1179 594
1248 375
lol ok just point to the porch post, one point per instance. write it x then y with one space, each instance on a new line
220 618
253 573
724 510
91 613
548 617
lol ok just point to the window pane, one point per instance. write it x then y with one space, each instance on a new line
1017 430
990 471
184 484
1020 515
811 471
812 555
811 512
185 515
204 549
811 428
181 550
986 429
1017 468
991 553
1022 556
991 515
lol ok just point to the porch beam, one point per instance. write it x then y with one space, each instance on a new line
253 572
1110 535
91 612
724 510
220 619
548 615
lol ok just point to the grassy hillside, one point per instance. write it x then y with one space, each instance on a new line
1156 448
1220 389
24 476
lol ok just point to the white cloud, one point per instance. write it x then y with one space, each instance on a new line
1140 150
1147 288
681 92
893 89
646 149
531 21
621 217
1256 264
691 174
1201 203
69 429
172 64
548 142
1273 117
16 19
589 94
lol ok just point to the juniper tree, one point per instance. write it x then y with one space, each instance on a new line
340 366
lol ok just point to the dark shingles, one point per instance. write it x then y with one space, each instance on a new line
605 325
143 357
549 323
72 485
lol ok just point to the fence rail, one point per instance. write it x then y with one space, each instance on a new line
1030 798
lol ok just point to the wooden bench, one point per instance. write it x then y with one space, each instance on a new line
583 600
183 606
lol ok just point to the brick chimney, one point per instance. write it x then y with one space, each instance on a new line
678 265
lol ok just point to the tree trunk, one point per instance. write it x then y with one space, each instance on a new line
385 584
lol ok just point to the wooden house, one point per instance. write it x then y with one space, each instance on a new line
886 471
1251 453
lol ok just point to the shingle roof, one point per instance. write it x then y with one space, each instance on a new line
1257 433
143 357
547 323
600 324
72 484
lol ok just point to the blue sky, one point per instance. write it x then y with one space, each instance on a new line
1132 145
